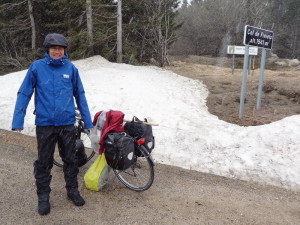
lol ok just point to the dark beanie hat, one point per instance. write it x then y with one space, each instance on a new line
55 39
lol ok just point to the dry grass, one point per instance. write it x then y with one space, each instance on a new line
281 88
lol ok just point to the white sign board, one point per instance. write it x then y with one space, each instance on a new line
240 50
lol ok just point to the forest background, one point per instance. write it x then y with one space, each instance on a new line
151 29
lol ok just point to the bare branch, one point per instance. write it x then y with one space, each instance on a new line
9 6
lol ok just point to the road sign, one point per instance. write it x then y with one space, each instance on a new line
240 50
261 38
258 37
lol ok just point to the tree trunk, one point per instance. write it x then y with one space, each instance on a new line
119 33
89 21
32 23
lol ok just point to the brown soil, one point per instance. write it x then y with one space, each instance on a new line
280 97
177 196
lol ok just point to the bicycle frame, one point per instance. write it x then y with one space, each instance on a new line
79 129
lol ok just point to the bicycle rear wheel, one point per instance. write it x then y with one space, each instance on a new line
89 152
140 175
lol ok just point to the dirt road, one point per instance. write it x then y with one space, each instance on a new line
178 196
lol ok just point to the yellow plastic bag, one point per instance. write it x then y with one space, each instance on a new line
97 175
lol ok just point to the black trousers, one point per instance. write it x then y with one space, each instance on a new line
47 137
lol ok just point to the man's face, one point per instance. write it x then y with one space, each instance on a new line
56 52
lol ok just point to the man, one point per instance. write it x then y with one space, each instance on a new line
55 82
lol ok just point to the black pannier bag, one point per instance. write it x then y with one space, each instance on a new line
80 155
119 150
138 130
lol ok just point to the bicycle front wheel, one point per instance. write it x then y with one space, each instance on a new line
140 175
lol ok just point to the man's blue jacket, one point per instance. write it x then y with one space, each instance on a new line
55 83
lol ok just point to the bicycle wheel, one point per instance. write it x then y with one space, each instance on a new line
89 152
140 175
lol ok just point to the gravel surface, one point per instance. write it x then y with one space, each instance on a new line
177 196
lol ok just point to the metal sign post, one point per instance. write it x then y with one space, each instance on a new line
261 77
244 80
249 65
261 38
233 64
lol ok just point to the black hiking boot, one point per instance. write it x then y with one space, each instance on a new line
43 204
75 197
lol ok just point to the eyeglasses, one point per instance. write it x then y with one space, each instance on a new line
53 49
